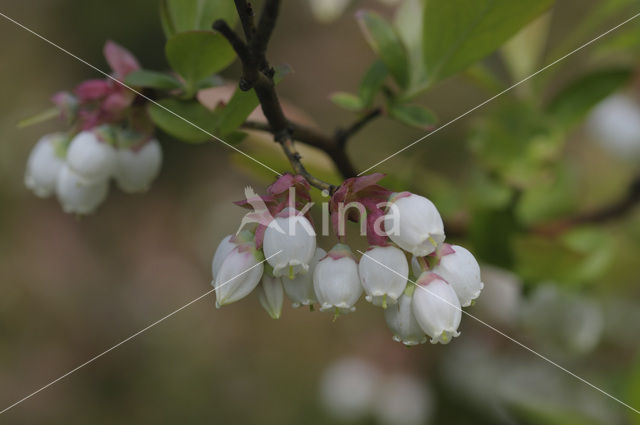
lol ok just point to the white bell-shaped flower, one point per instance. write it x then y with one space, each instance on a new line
414 224
462 272
383 272
336 281
300 288
289 243
436 308
239 274
137 168
224 248
77 195
90 158
270 295
403 324
44 165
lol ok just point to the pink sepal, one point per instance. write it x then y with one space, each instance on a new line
90 90
121 61
428 277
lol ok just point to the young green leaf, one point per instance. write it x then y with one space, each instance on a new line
198 54
413 115
152 79
387 44
372 83
348 101
192 111
574 101
188 15
457 33
233 114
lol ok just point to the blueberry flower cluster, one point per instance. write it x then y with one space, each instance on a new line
107 139
275 251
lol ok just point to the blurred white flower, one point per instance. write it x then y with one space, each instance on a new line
414 224
501 297
402 399
348 388
336 282
77 195
90 158
403 324
44 165
136 169
615 123
328 10
300 288
271 295
383 272
436 308
462 272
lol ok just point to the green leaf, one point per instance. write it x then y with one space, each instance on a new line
574 101
192 111
152 79
413 115
386 43
372 83
241 104
188 15
457 33
198 54
348 101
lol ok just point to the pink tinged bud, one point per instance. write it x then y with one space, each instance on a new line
135 170
383 272
289 244
300 288
403 324
239 274
77 195
414 224
336 281
91 159
436 308
271 296
44 165
462 272
224 248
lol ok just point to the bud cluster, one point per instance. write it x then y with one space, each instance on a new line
275 250
107 139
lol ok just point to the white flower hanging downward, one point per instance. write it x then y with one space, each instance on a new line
137 168
383 272
414 224
402 322
44 165
224 248
336 280
293 236
239 273
300 288
270 295
77 195
461 270
90 155
436 308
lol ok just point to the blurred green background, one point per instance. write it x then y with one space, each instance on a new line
72 288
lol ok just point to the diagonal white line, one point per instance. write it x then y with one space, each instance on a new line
531 350
502 92
136 92
91 360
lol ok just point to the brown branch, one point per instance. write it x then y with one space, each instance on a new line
343 135
245 11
